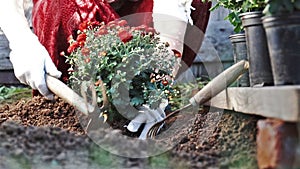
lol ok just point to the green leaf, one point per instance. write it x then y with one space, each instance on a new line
297 4
288 5
137 101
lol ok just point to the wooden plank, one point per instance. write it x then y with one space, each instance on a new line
5 63
7 77
281 102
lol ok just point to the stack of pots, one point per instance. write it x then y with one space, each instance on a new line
273 48
260 71
240 53
283 34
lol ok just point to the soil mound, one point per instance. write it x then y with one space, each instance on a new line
39 133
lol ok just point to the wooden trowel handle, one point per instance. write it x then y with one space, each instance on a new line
220 82
67 94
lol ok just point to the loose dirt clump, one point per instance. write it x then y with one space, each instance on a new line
220 139
39 133
41 112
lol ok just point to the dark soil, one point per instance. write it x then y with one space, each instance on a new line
38 133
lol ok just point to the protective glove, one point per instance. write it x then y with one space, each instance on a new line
29 58
170 18
149 117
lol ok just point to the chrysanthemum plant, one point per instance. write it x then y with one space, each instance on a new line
127 66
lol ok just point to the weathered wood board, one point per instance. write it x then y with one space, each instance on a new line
5 63
281 102
7 76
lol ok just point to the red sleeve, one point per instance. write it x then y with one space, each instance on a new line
142 11
55 21
195 34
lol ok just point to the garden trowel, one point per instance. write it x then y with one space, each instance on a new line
214 87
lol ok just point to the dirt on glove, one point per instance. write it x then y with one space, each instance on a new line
39 133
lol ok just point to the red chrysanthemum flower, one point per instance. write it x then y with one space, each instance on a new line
101 31
81 37
81 43
125 36
87 60
176 53
62 53
72 47
83 26
85 51
95 23
140 28
112 24
150 30
122 23
70 39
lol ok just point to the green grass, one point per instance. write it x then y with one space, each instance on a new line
11 94
160 161
17 161
101 157
243 161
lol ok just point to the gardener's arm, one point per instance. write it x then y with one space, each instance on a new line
29 58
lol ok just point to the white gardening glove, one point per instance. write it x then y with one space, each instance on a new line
170 18
30 59
148 116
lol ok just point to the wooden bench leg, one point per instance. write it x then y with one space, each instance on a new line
277 144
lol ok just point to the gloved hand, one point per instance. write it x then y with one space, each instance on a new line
31 61
170 18
148 116
29 58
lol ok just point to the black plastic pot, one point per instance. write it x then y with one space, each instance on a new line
283 35
240 53
260 71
